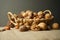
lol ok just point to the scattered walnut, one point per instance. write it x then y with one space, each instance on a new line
55 25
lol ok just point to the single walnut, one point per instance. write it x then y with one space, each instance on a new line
42 25
23 28
55 26
47 16
35 28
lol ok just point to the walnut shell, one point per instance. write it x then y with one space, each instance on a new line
55 26
47 16
42 25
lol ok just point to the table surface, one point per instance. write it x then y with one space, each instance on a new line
15 34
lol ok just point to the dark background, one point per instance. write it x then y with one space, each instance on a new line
15 6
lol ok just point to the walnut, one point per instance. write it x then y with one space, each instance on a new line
47 16
42 25
55 26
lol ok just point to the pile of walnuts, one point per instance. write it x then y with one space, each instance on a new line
29 20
